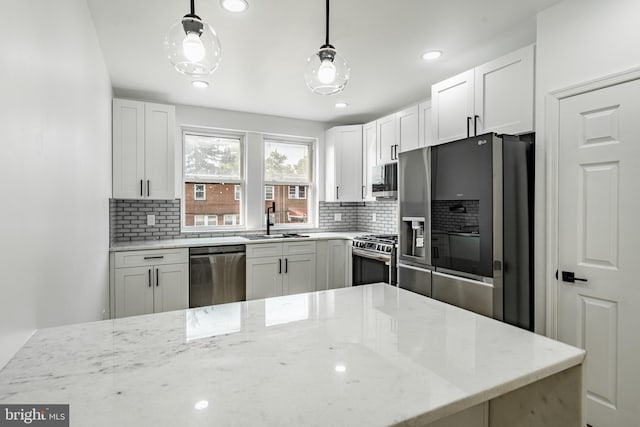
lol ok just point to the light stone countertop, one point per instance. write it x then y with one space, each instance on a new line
372 355
229 240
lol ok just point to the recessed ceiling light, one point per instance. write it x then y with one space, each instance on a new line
340 368
431 55
201 404
200 84
235 6
341 105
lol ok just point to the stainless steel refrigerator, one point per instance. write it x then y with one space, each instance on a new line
466 225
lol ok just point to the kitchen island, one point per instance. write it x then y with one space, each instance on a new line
371 355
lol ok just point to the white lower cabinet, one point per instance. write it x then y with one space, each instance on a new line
334 264
148 282
276 269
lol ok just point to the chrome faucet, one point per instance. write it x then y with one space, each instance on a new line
271 208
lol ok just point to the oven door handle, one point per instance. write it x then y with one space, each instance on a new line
370 255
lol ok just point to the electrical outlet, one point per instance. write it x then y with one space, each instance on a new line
373 217
151 220
337 217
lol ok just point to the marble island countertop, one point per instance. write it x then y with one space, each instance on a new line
371 355
224 240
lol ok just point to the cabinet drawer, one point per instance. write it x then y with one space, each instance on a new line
295 248
151 257
264 249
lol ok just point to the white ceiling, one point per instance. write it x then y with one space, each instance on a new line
264 50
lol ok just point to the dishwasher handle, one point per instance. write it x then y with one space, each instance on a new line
217 250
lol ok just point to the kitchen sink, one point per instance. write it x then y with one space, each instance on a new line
275 236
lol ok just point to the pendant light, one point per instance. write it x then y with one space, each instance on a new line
327 72
192 46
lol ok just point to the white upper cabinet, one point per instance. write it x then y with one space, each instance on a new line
369 147
452 101
494 97
344 164
386 134
143 150
425 128
408 129
504 93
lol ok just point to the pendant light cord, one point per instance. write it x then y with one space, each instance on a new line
327 22
193 7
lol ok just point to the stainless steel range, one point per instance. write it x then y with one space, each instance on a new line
374 259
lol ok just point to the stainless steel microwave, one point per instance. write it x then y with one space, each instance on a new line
384 182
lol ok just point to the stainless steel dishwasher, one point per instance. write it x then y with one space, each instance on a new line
217 275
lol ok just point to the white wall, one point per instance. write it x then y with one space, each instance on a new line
255 125
577 41
55 169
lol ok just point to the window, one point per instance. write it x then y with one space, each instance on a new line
199 192
213 174
297 192
268 192
288 179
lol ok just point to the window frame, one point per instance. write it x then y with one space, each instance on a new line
312 184
242 182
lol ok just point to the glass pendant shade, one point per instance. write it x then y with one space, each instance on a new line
327 72
193 47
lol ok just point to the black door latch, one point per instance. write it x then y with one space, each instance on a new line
570 277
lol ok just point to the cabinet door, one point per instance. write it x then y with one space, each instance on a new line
264 277
300 274
333 164
171 290
369 143
453 104
408 129
350 152
504 93
337 264
425 128
128 149
159 151
134 291
386 134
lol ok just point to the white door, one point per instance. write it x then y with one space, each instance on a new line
599 201
504 94
128 149
408 129
264 277
299 274
337 258
134 291
369 142
349 141
159 151
171 291
452 103
333 164
425 129
386 134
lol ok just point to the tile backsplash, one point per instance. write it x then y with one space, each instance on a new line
128 219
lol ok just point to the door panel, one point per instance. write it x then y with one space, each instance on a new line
171 290
134 291
452 104
128 149
598 176
369 159
408 129
159 151
264 277
386 134
300 274
464 293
